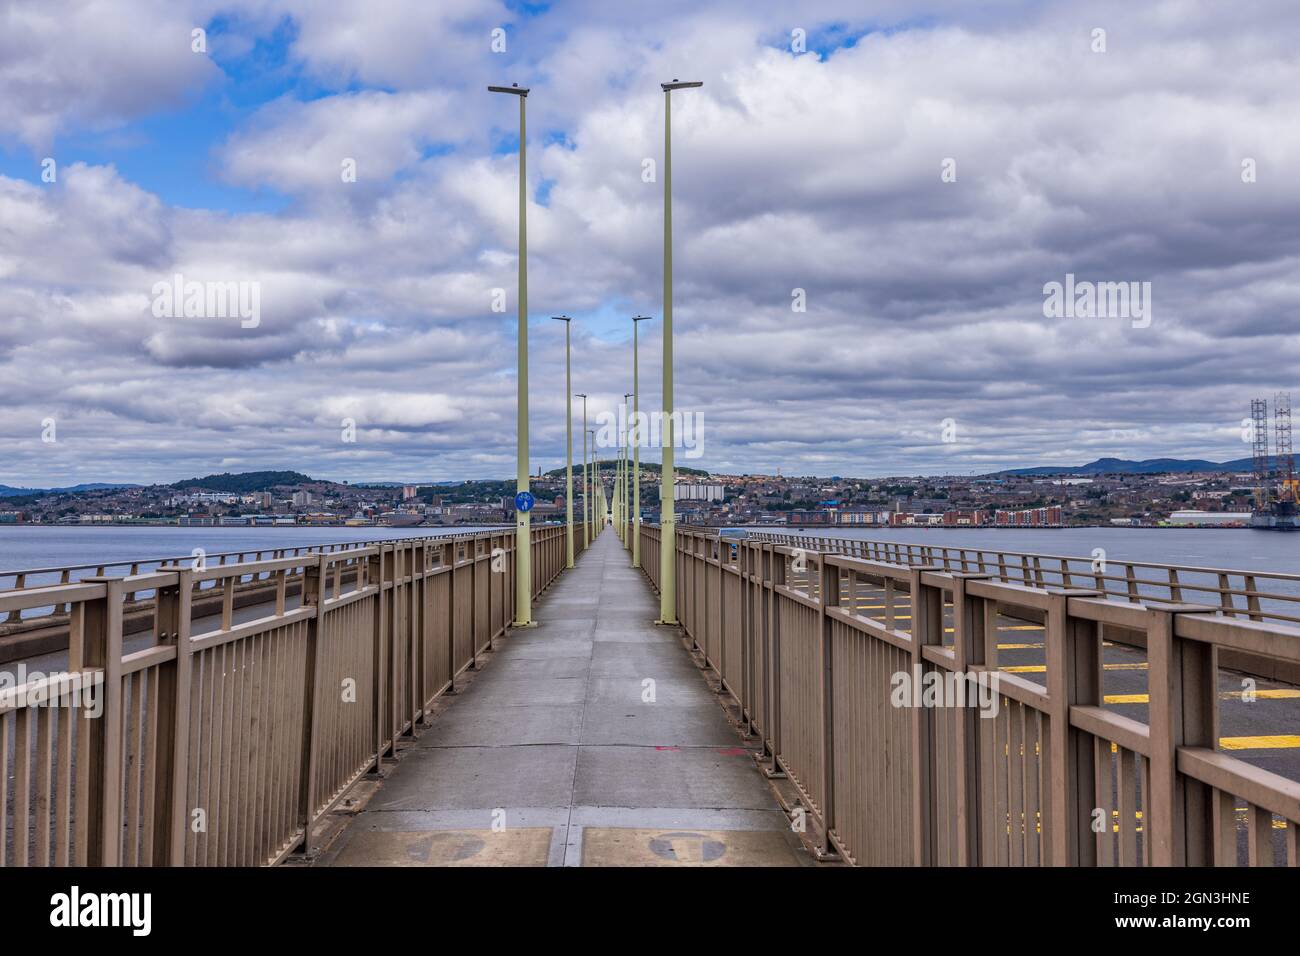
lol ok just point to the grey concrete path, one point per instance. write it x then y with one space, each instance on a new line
591 739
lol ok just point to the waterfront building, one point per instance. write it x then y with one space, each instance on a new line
698 491
1210 519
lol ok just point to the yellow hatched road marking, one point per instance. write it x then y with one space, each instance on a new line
1042 668
1276 742
1284 742
1280 694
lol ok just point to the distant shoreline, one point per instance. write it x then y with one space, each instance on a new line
998 527
119 525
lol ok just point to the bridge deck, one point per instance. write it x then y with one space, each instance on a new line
550 756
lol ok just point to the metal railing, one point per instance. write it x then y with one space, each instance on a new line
1253 595
19 578
223 748
946 785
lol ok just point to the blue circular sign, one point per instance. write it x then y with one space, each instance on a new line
524 501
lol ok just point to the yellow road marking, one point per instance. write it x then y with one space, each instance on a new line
1280 694
1276 742
1042 668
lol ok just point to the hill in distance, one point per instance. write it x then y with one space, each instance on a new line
10 491
1125 466
246 482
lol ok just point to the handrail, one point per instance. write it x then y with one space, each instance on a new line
297 549
794 539
1254 594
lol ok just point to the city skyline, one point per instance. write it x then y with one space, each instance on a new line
1123 466
914 182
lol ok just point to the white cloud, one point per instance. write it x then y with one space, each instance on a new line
924 297
339 143
94 63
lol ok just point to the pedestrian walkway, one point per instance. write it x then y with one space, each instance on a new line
589 740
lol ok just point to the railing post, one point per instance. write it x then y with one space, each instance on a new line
419 627
509 582
970 645
449 555
927 629
471 552
487 553
829 597
393 657
745 561
773 670
313 585
695 568
375 575
679 562
1074 677
1184 712
760 623
410 706
171 773
720 662
98 646
507 592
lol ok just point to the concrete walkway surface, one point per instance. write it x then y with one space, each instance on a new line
589 740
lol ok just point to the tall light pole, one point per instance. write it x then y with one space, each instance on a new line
600 483
667 516
586 488
626 490
568 456
523 535
596 516
618 482
636 444
618 474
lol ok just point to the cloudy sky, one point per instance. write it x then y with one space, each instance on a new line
920 169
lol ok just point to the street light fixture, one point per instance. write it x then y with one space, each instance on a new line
523 533
568 457
636 444
667 517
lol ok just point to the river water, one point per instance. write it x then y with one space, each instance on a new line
33 546
39 546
